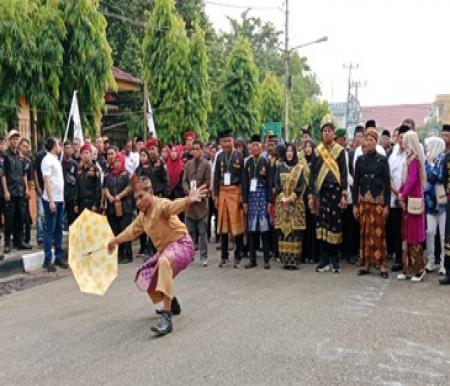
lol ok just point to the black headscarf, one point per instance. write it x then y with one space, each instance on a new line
281 152
294 160
313 145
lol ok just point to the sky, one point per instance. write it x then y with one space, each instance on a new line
401 46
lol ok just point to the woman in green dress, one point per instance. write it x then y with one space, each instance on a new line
290 208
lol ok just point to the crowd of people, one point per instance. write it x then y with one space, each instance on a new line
368 200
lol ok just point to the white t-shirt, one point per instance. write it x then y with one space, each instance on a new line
51 167
396 161
132 162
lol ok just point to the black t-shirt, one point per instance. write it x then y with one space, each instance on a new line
37 166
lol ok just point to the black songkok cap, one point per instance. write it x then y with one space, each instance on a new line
226 133
403 129
371 123
255 138
386 133
446 127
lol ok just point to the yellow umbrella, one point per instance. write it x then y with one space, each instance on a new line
94 269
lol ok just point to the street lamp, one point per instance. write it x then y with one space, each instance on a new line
287 53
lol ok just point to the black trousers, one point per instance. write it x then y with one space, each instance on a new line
15 218
69 208
394 233
253 243
309 239
274 242
118 224
239 240
329 254
447 241
350 234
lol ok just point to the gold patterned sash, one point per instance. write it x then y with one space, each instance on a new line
329 163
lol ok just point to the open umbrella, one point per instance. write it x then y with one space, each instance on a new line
94 269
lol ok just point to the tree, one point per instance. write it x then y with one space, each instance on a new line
271 99
198 97
264 39
166 69
312 113
87 60
31 57
239 91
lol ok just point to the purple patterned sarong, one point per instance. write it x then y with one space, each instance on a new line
181 254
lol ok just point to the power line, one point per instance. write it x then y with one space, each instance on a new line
236 6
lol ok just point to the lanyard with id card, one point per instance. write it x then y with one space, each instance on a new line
254 180
227 175
194 185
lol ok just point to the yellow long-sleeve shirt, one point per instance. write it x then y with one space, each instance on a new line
160 223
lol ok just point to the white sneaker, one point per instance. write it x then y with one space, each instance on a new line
418 279
205 264
430 267
402 276
442 272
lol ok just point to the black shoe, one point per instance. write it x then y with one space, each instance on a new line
164 326
384 275
175 308
445 280
2 257
250 265
224 263
61 264
363 272
267 265
49 267
397 267
22 246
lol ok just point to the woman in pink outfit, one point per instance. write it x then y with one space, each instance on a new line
413 227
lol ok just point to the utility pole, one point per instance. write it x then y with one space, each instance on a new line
349 67
286 72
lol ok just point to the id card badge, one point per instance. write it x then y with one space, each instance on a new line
253 185
194 185
227 179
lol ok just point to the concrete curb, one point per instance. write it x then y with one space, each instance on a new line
11 266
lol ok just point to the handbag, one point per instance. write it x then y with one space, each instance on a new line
441 197
415 205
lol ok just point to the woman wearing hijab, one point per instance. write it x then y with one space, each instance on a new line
435 205
371 197
290 223
309 243
414 179
119 208
175 168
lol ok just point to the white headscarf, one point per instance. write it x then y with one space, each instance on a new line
435 146
413 150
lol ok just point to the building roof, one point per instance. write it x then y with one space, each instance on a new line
120 75
392 116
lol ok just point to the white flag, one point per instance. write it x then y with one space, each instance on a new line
150 123
74 115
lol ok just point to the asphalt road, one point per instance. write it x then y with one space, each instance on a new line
237 327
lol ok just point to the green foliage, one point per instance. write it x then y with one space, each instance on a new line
264 39
87 57
238 104
166 69
271 99
31 57
312 113
198 96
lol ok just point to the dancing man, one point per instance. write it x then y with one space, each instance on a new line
158 218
